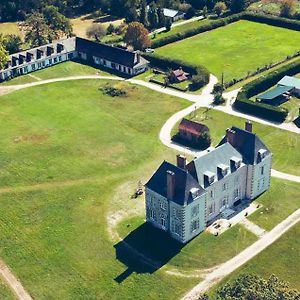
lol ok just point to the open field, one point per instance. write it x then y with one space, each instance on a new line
5 293
283 144
10 28
64 69
236 48
281 259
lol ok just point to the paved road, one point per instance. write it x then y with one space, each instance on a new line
231 265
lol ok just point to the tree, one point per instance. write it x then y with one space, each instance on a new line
237 6
249 286
161 17
168 24
59 25
110 29
287 8
37 30
219 8
136 35
204 141
96 31
204 11
144 14
190 12
3 53
153 15
12 43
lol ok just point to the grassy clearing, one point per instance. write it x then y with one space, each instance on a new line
281 259
205 251
10 28
278 203
56 239
283 144
236 48
65 69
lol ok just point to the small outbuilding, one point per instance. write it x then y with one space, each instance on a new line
275 96
173 15
191 130
292 82
178 75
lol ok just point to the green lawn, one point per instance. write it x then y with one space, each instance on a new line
236 48
278 203
56 239
205 251
281 259
10 28
65 69
293 106
5 292
283 144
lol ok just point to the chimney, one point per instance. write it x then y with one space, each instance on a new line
248 126
170 185
230 136
181 161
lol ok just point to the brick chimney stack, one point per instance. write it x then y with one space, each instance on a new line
230 134
248 126
170 185
181 161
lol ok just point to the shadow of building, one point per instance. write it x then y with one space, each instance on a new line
145 250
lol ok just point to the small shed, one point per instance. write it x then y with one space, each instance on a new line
191 130
275 96
292 82
173 15
179 75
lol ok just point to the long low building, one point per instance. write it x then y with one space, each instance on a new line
126 62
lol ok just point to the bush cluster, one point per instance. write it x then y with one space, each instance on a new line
113 91
261 84
200 75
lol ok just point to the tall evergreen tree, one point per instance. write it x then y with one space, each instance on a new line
153 15
144 14
161 17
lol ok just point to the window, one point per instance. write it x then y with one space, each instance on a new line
178 214
33 67
163 221
43 63
211 194
152 214
210 209
195 225
262 170
104 62
60 58
236 193
261 184
113 65
177 229
224 187
163 205
55 60
195 210
50 61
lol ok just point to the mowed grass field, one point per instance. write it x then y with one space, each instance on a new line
5 293
283 144
236 48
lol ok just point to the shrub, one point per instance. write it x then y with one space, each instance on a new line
113 91
202 143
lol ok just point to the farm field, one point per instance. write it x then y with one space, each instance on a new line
280 258
286 157
236 48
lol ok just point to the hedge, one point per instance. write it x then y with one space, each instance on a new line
261 84
200 73
270 20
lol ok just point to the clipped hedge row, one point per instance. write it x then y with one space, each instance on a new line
200 73
261 84
261 18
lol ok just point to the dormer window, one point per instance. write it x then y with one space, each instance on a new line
262 153
194 192
209 178
222 170
235 162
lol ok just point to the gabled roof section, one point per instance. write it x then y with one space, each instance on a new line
209 162
290 81
247 144
192 127
184 183
274 93
171 13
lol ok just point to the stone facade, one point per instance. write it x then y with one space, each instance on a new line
183 199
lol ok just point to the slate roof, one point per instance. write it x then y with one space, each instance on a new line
290 81
274 93
113 54
247 143
209 162
192 127
184 182
171 13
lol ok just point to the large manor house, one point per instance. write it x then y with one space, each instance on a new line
121 60
183 199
